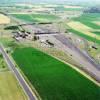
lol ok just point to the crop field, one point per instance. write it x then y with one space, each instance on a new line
68 8
97 33
4 19
85 27
53 79
97 22
88 20
2 63
89 17
9 88
84 36
37 17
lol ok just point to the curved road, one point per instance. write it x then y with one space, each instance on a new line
18 75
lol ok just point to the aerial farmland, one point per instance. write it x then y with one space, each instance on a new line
86 26
8 84
49 51
45 76
36 17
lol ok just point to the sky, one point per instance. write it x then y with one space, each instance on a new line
52 1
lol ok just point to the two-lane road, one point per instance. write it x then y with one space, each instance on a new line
18 75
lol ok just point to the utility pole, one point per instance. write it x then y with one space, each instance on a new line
95 41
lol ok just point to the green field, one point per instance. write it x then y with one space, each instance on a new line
97 32
62 8
88 19
53 79
85 36
2 62
36 17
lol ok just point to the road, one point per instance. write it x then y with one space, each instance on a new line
18 75
87 63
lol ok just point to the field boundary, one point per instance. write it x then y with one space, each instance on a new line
77 69
35 93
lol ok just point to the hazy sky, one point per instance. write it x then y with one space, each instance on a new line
60 1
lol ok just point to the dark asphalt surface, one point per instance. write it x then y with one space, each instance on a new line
67 43
17 74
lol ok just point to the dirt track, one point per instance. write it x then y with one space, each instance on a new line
87 64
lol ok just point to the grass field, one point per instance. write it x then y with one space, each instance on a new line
2 63
85 27
9 88
97 22
36 17
89 17
84 36
68 8
53 79
81 28
97 33
88 20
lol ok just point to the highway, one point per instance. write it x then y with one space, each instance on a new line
18 75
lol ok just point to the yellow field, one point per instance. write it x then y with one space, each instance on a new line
98 23
9 87
73 7
4 19
82 28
